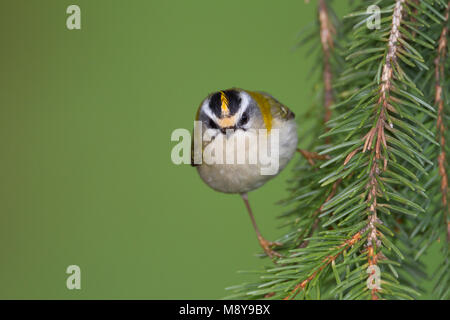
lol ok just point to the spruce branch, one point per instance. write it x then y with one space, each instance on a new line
326 261
377 135
369 204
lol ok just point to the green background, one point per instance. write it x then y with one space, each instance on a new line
85 124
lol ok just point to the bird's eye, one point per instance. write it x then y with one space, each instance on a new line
212 124
244 119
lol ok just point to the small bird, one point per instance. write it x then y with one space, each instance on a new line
235 114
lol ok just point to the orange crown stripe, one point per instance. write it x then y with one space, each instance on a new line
224 106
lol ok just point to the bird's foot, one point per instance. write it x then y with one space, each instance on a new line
267 247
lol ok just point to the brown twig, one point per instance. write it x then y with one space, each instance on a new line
311 156
439 62
326 37
329 259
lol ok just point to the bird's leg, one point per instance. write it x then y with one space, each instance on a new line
266 245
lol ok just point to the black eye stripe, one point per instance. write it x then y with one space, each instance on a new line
244 119
212 124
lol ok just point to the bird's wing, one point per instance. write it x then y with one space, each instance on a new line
278 109
271 107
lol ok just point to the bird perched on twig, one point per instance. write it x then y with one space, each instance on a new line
247 128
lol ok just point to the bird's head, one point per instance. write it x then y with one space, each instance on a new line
231 109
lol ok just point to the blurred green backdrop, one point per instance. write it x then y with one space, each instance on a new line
85 124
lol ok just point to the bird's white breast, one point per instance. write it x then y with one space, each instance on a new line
240 178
